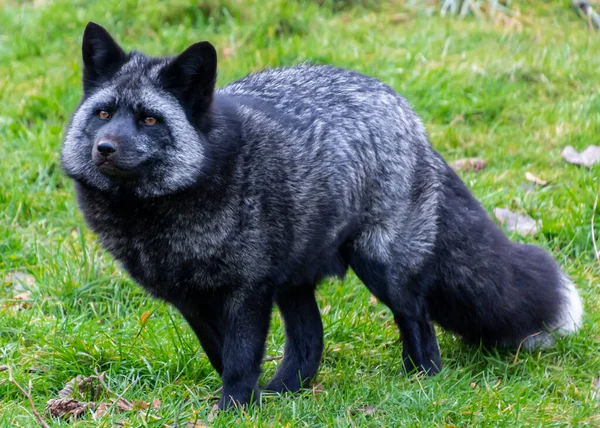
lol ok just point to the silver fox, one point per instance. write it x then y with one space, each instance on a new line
225 202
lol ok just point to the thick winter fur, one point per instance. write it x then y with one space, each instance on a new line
244 197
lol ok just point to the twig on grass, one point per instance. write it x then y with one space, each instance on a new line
27 394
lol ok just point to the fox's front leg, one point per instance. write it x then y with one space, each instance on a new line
246 318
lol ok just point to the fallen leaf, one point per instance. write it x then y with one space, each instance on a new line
124 405
457 119
318 388
20 301
145 317
26 295
367 410
156 404
91 385
373 300
536 180
469 164
275 358
101 409
400 18
60 407
523 225
587 158
596 388
213 413
20 279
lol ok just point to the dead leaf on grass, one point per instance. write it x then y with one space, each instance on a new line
521 224
20 281
400 18
366 409
373 300
469 164
596 388
214 411
227 51
80 385
61 407
536 180
144 317
20 301
587 158
102 409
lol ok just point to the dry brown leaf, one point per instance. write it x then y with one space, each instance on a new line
318 388
140 405
366 409
469 164
373 300
124 405
102 409
596 388
400 18
156 404
214 411
587 158
60 407
457 119
144 317
83 385
536 180
20 281
20 301
521 224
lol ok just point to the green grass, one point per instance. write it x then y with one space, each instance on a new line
515 98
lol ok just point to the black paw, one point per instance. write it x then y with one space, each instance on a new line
238 400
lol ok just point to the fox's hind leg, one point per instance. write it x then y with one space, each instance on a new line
404 293
304 339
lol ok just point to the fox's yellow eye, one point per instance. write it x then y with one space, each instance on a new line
103 114
150 120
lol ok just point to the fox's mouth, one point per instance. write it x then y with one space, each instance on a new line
111 170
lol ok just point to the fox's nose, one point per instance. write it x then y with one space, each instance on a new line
106 147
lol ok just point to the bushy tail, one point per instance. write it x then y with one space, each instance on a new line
543 280
492 290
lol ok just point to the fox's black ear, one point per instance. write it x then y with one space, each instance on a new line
192 75
102 56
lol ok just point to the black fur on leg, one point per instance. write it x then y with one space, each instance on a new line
247 316
203 315
419 345
304 339
405 296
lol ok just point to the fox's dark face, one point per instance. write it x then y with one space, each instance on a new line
137 124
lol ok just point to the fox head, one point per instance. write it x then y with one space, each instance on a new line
139 122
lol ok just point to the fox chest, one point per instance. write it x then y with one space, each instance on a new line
172 260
